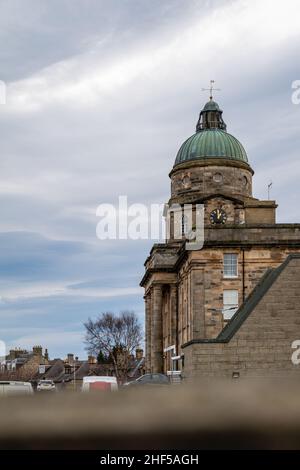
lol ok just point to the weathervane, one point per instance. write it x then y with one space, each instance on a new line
269 188
211 89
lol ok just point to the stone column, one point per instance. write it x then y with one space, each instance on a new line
173 314
197 303
156 330
148 331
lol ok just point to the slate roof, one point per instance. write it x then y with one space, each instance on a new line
56 370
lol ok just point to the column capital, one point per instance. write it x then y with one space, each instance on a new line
157 286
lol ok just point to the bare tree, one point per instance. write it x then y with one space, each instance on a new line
117 336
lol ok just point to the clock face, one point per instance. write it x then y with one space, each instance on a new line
218 216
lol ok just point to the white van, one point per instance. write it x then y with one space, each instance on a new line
15 388
99 383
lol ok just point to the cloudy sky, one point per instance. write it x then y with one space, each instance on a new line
100 95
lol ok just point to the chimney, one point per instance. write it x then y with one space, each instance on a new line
70 358
139 354
12 354
46 355
92 360
37 351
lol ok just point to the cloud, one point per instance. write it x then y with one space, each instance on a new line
46 290
56 340
86 80
100 97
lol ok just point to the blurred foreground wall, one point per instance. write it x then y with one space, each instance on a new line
209 415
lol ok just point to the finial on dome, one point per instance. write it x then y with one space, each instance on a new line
211 89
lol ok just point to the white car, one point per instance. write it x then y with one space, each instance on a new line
46 386
15 388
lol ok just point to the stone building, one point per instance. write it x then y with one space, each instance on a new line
193 298
21 358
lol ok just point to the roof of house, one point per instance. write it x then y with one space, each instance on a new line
57 370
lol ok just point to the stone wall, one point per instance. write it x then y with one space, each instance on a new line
220 415
234 179
252 264
262 345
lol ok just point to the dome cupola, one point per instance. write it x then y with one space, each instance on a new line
211 161
211 140
210 117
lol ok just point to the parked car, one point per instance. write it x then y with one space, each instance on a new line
149 379
46 386
15 388
96 383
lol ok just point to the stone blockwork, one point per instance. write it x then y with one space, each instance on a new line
258 342
212 177
252 264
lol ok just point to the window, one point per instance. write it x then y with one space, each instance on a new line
230 265
218 177
186 181
230 303
184 225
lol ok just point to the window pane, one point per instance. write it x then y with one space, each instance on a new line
230 303
230 265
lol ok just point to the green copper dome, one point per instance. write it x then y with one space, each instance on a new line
211 106
211 139
211 143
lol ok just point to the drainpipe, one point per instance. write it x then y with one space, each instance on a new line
177 317
243 264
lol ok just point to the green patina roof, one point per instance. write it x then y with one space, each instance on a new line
211 106
211 143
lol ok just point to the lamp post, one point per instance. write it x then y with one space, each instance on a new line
74 375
